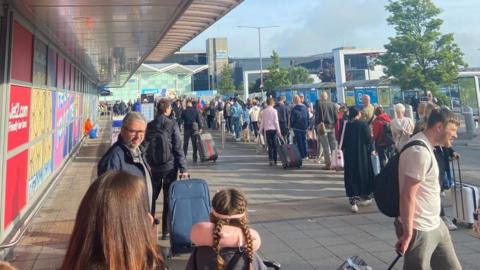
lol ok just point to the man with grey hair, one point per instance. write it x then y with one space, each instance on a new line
127 154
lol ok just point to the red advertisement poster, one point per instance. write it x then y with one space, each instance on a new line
22 53
19 116
16 188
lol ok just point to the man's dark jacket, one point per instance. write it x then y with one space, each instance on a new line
190 116
119 157
326 112
299 117
283 112
177 159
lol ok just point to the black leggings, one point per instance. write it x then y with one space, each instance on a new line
272 144
163 179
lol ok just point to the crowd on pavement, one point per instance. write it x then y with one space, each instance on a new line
116 221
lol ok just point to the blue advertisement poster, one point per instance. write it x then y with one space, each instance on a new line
372 92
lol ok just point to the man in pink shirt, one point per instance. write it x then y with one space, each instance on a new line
269 124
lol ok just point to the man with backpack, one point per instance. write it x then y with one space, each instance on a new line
164 155
382 136
423 237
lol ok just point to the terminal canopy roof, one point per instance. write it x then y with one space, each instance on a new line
109 39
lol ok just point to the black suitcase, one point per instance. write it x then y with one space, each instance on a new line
206 147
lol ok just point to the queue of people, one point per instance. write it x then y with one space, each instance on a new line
150 156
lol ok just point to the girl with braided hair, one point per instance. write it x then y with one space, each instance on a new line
226 242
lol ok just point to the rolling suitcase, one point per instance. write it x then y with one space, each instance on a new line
465 198
206 147
312 144
289 155
189 204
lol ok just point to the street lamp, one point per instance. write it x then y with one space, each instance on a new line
259 28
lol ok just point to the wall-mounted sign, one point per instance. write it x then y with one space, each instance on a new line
19 116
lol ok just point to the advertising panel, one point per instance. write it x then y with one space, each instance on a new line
40 164
350 98
48 107
22 53
19 116
38 112
16 185
468 92
372 92
52 68
59 146
40 63
60 72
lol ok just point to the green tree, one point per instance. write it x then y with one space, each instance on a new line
277 76
419 56
225 85
299 75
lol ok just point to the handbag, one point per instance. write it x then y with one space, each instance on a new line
337 161
321 129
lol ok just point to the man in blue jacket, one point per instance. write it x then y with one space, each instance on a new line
128 155
299 124
164 155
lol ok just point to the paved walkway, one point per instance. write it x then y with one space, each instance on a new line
302 215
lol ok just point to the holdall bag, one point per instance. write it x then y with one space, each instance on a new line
465 198
337 161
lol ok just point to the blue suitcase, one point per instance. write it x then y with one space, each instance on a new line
189 203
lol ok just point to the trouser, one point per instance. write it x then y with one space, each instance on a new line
432 249
328 143
301 141
228 122
159 180
284 131
189 134
210 121
236 126
320 148
219 118
272 144
255 128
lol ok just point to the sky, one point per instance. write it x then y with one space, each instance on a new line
308 27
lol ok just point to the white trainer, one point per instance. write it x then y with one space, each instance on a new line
366 202
449 223
354 208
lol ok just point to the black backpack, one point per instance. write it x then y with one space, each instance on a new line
159 138
387 137
387 193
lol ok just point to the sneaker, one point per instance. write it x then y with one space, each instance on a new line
366 202
354 208
449 223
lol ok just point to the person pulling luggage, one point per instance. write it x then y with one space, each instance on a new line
165 156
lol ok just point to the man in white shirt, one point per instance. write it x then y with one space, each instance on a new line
425 240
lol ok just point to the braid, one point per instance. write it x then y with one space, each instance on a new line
248 237
216 243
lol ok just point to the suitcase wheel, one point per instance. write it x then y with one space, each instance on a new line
299 166
285 167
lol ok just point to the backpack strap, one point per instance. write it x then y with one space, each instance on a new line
418 143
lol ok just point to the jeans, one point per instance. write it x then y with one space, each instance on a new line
159 180
236 126
301 141
329 143
255 128
272 144
190 134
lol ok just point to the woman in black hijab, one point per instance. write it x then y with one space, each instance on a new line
357 148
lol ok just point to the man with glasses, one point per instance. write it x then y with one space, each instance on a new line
127 154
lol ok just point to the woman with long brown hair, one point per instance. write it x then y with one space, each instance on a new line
113 228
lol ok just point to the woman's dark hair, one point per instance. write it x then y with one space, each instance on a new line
230 202
379 110
353 112
113 230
